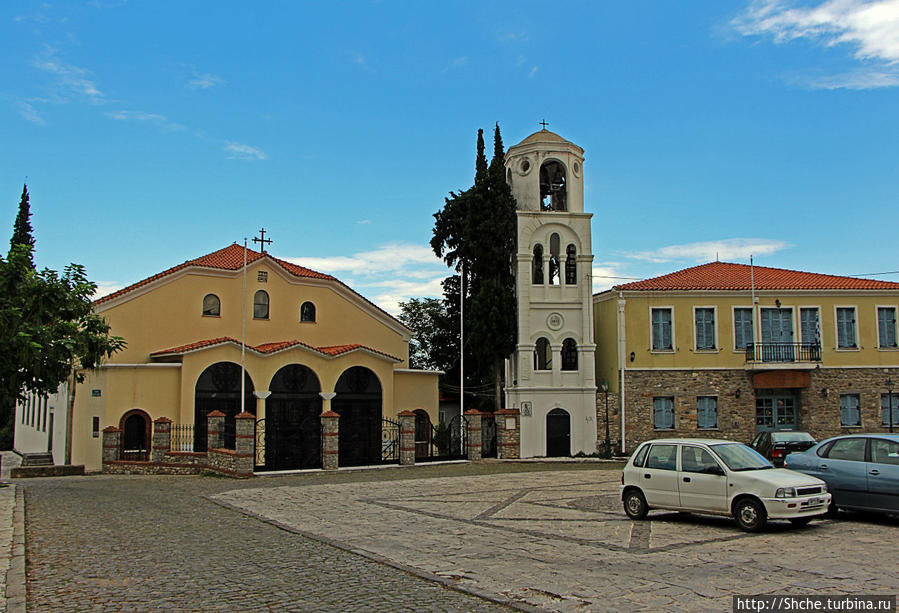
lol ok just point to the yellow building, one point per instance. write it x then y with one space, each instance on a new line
312 345
725 350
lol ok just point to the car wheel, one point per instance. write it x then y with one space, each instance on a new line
750 515
635 504
800 521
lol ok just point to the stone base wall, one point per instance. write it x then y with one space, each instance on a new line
818 405
223 461
123 467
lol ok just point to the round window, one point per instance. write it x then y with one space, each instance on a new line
577 168
525 166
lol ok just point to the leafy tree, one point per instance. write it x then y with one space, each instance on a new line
47 326
435 344
475 232
22 233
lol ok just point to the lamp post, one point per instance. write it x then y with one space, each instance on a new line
608 450
890 390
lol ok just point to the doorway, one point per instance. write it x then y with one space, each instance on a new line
558 433
775 410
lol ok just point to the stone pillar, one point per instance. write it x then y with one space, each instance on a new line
112 444
406 421
330 440
162 439
245 441
474 434
215 430
508 434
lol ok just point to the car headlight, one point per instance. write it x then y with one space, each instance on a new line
785 492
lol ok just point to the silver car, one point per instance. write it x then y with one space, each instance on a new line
861 470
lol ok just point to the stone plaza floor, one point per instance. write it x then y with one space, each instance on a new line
473 537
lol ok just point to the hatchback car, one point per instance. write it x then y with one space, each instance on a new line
719 478
778 444
861 470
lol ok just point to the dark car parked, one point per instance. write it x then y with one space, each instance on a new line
777 444
861 470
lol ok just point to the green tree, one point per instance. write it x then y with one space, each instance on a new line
48 329
22 233
435 344
475 233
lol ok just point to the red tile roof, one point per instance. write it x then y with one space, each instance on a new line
727 276
269 348
229 258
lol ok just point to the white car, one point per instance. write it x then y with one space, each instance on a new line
719 478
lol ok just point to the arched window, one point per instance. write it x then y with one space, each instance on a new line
307 312
538 265
212 306
554 263
570 265
260 305
553 192
569 354
543 356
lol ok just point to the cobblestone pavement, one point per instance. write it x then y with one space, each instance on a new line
157 543
546 540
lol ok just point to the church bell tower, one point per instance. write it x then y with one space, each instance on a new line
551 377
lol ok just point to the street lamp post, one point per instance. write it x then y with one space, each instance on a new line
890 390
608 450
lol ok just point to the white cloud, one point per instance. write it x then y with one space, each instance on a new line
205 81
104 288
387 275
240 151
154 118
364 222
533 71
730 249
607 275
27 111
71 79
870 28
388 258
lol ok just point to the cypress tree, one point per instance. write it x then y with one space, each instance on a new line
22 233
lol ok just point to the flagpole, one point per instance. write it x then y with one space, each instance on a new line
461 355
755 323
243 332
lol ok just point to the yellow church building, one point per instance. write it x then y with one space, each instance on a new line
313 346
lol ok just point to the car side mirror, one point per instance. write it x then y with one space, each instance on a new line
714 470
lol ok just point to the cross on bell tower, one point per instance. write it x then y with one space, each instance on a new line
262 240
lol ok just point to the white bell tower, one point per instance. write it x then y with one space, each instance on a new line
551 377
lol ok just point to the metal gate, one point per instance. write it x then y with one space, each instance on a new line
488 435
390 441
289 441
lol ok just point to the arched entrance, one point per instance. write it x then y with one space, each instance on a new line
422 434
218 389
136 436
293 430
558 433
358 402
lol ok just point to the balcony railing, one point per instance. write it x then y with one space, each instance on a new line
783 352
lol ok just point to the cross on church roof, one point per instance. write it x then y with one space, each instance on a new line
262 241
544 124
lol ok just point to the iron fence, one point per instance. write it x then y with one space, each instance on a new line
390 440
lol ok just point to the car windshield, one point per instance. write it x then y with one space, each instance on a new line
792 437
738 456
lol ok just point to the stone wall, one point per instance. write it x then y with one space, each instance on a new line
818 406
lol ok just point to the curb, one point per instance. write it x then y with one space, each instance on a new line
15 576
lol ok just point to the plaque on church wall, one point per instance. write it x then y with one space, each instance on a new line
526 408
555 321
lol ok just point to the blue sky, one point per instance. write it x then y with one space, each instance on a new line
151 133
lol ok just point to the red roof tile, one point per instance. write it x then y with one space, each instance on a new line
229 258
727 276
269 348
